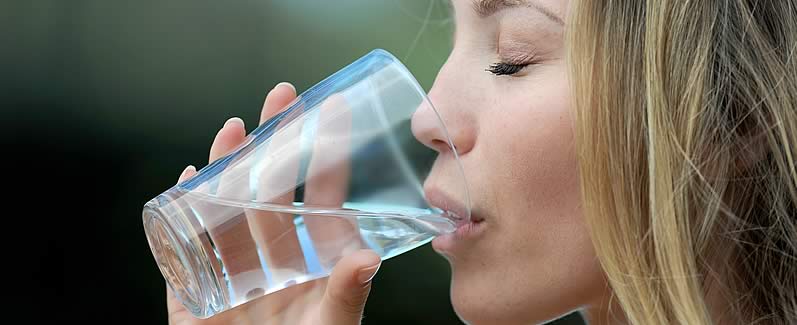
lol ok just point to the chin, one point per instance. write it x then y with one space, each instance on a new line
489 300
477 304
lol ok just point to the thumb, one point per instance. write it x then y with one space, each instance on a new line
348 288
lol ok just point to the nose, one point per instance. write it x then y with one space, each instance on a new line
457 124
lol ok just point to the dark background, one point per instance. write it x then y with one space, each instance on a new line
105 102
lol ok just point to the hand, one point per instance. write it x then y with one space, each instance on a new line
336 300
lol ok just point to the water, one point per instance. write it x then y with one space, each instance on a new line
218 254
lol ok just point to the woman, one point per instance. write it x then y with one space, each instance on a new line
655 182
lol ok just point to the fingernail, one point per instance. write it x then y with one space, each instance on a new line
234 120
285 84
189 168
367 274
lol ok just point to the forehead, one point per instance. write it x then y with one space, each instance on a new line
554 8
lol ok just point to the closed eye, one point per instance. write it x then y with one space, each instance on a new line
506 69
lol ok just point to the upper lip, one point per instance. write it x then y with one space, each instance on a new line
439 199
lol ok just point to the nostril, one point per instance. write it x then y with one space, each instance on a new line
441 146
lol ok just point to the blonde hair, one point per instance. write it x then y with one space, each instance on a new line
686 122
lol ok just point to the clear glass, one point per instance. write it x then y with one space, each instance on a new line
337 170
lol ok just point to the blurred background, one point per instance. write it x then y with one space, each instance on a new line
105 102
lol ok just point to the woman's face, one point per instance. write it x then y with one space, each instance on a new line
505 97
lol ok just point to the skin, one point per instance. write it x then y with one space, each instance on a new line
530 258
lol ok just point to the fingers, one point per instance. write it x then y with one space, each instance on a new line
231 135
278 168
279 97
238 240
348 288
227 226
187 173
176 311
327 183
329 169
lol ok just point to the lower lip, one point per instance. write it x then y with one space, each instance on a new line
463 233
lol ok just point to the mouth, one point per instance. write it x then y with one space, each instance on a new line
454 210
468 225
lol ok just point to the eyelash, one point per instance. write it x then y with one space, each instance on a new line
510 68
503 68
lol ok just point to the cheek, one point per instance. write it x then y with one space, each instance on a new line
539 249
541 183
539 195
534 138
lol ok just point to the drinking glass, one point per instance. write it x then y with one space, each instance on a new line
336 170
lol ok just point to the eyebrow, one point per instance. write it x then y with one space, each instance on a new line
486 8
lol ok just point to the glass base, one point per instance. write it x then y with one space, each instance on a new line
184 262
